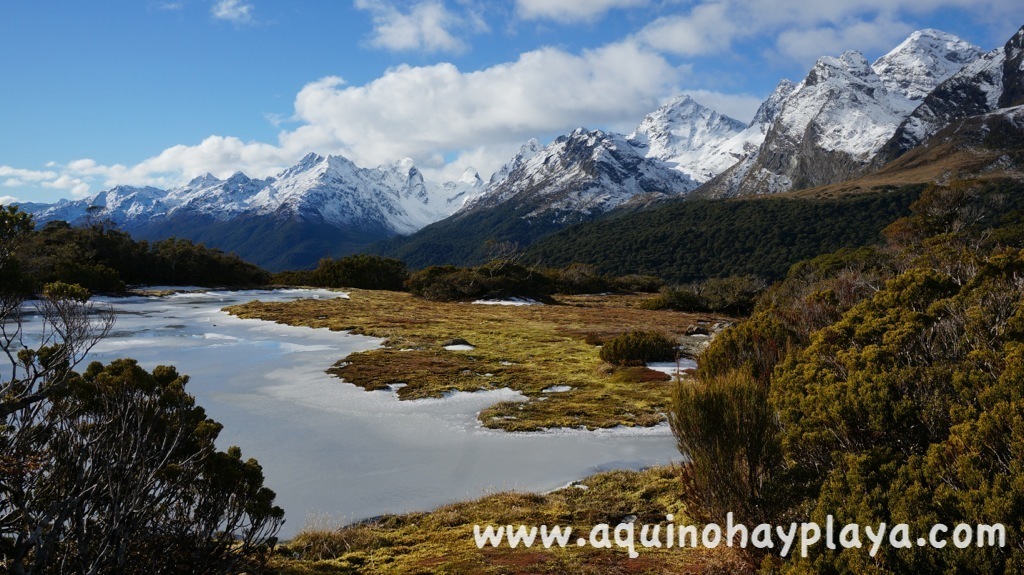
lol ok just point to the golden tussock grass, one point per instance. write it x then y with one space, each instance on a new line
524 348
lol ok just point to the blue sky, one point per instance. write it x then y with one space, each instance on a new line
155 92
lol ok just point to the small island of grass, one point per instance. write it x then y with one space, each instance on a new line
531 349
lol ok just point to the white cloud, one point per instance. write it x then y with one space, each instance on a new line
75 186
5 200
171 6
801 30
427 25
235 11
706 29
427 113
422 111
571 10
809 44
26 175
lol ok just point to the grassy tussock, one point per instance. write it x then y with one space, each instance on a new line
441 541
525 348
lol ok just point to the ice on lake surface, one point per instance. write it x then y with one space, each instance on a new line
328 447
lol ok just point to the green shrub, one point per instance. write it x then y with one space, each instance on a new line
495 280
361 271
579 279
638 348
639 283
728 430
733 295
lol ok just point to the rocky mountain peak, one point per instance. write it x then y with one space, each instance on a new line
768 109
923 61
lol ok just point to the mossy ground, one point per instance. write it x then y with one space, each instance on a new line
441 541
525 348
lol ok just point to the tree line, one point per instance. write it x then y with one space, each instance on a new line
104 259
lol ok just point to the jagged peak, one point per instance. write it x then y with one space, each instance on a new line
202 181
768 109
239 177
923 61
471 176
337 164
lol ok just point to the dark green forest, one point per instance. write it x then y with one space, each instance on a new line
698 239
106 260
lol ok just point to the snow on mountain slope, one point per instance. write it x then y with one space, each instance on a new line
922 62
218 199
580 175
458 193
329 190
689 137
834 122
995 80
747 144
120 205
335 191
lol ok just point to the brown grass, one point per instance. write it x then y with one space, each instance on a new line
441 541
525 348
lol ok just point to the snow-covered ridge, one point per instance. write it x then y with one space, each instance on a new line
830 126
318 189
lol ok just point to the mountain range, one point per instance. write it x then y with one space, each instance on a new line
846 119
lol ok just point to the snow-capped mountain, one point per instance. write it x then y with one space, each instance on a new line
213 197
580 175
460 192
335 191
836 120
923 61
746 145
328 205
689 137
992 81
330 190
121 205
846 118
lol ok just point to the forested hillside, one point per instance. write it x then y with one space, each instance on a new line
103 259
698 239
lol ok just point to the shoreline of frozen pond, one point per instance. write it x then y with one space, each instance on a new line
328 447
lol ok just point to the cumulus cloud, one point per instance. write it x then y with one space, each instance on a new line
571 10
26 175
706 29
421 111
4 200
428 25
235 11
442 117
876 36
75 186
800 30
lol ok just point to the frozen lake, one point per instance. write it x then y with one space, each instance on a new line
327 447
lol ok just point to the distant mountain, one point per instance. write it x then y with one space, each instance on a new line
831 126
691 138
321 206
580 175
847 119
992 81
